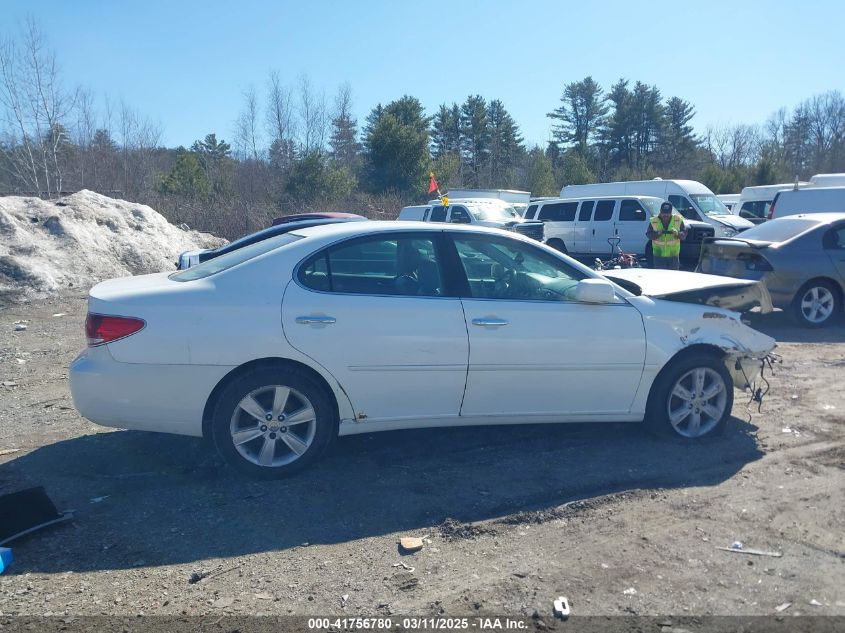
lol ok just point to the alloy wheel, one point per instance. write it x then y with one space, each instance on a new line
817 304
697 402
273 426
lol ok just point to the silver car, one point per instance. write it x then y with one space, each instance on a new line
800 259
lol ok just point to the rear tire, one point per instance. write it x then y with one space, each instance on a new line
691 398
816 304
273 422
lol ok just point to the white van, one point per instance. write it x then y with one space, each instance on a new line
729 200
828 180
581 227
754 202
517 199
809 200
482 212
692 200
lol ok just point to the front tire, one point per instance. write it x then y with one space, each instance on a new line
816 304
272 422
691 398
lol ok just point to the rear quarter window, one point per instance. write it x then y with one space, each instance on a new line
233 258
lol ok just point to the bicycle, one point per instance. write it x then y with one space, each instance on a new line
619 258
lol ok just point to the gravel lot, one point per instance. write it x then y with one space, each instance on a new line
617 521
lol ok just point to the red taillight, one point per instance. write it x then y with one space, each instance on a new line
771 210
103 328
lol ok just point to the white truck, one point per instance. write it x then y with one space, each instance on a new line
692 200
480 211
517 199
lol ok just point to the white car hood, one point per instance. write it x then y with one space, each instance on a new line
687 287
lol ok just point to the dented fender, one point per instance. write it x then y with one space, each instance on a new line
672 326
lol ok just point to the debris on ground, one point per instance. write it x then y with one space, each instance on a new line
411 544
27 511
6 558
404 566
738 548
99 499
561 606
222 603
20 326
783 607
10 383
815 603
630 591
8 451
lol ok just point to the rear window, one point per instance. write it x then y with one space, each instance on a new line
530 211
631 211
229 260
779 230
438 214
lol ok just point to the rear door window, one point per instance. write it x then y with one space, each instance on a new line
558 212
530 211
438 214
459 216
604 210
585 214
632 211
403 265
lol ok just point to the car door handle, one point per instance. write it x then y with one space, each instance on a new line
490 322
315 320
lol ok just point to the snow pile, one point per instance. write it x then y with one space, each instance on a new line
47 246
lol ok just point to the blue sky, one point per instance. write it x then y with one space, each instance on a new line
186 63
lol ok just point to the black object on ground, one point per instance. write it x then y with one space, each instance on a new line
26 511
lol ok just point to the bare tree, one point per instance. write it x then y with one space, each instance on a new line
313 118
247 134
279 119
733 145
35 108
86 127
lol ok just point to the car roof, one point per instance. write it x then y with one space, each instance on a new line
823 218
345 229
296 217
627 196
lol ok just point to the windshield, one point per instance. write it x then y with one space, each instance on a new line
709 204
233 258
495 213
779 230
652 205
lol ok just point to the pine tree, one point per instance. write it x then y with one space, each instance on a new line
397 146
580 116
475 138
505 145
446 131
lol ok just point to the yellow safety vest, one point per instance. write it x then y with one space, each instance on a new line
666 245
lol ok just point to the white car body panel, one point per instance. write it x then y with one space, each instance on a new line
377 358
403 362
552 358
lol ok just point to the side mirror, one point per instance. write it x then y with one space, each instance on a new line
595 291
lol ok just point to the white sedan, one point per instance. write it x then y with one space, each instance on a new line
276 348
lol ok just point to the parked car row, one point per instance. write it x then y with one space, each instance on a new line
756 203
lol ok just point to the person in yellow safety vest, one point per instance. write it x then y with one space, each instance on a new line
666 230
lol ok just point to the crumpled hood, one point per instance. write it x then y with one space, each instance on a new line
733 221
739 295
